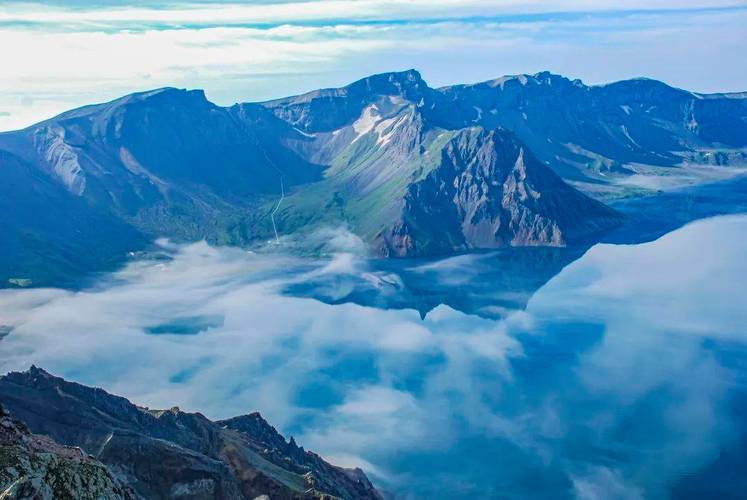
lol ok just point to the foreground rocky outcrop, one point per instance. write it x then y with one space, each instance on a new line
151 453
36 467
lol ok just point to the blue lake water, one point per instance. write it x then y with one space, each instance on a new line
617 371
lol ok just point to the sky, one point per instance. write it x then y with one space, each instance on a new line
62 54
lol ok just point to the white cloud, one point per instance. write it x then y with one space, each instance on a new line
70 57
580 372
601 483
236 13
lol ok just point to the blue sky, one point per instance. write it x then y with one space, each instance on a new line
63 54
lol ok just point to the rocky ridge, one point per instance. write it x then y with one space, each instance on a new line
171 453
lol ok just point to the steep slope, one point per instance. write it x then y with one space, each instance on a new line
166 161
167 453
51 236
114 176
142 147
487 192
36 467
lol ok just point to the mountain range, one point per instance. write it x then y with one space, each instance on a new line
59 439
412 170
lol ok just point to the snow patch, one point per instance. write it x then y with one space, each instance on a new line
371 120
624 130
479 114
367 121
386 129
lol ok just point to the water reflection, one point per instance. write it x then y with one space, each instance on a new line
620 374
489 285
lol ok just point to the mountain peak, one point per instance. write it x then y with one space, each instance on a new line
545 78
408 75
407 83
163 95
34 371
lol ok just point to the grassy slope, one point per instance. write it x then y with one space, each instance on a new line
338 199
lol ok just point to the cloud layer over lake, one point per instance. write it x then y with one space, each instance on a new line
619 379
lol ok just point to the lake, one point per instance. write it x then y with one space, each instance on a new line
618 369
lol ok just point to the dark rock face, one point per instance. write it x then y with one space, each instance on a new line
489 191
36 467
173 454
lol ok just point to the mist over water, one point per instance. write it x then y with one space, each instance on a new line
617 372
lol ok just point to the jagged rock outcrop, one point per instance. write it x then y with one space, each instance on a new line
174 454
490 191
35 467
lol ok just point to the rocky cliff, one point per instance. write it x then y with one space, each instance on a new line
489 191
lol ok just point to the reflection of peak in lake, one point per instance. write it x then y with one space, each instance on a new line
486 284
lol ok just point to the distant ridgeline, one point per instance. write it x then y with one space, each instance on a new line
412 170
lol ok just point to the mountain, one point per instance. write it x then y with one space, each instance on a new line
579 130
413 170
82 189
170 453
584 131
404 181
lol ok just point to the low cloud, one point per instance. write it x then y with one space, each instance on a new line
551 392
601 483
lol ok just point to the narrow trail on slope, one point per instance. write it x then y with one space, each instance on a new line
282 185
272 214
